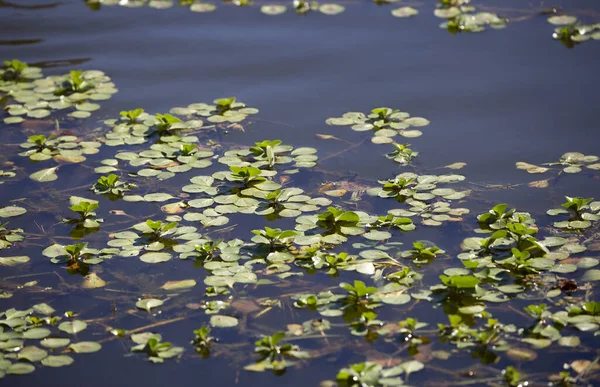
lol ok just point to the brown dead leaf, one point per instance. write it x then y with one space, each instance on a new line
65 160
424 355
117 212
335 193
539 184
581 366
295 329
93 281
245 306
530 168
173 208
327 137
458 165
594 246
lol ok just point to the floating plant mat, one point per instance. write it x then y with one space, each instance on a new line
186 247
135 126
460 15
31 96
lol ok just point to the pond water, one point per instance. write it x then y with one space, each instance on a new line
489 100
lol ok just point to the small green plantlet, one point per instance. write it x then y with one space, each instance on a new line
421 250
76 256
224 104
156 349
165 122
274 238
131 115
265 150
159 229
203 341
14 69
75 251
246 175
85 209
512 377
15 65
359 293
38 140
111 185
592 308
403 155
359 375
208 250
73 84
8 237
302 6
498 212
336 221
576 204
383 114
188 149
366 325
398 188
583 213
274 356
87 216
390 221
481 341
405 276
538 312
408 334
333 263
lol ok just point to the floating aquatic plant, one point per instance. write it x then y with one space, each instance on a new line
403 155
583 212
43 96
153 346
21 330
203 341
273 356
570 162
571 31
78 256
373 374
483 342
269 154
86 222
405 12
174 154
61 148
418 192
304 6
6 175
9 236
385 122
111 185
463 18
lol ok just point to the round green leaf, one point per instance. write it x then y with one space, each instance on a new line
72 327
85 347
220 321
